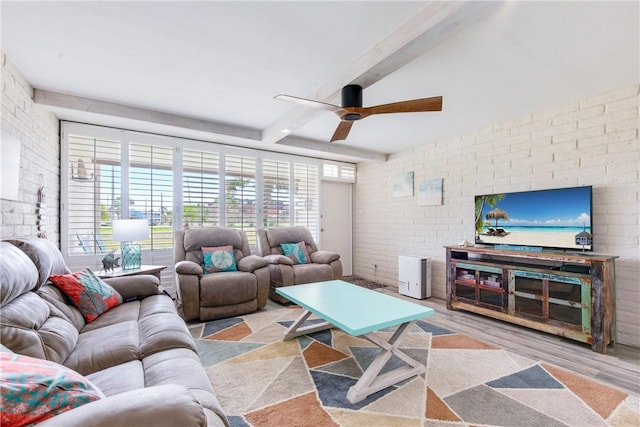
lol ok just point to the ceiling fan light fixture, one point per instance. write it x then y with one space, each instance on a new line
352 96
352 110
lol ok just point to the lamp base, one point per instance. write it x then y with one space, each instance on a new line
131 256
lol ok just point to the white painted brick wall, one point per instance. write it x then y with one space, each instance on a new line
38 132
589 142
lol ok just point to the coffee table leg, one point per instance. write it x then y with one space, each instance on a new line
370 382
295 330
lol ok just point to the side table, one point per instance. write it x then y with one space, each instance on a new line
154 270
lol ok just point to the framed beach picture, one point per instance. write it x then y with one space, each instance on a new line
430 192
403 184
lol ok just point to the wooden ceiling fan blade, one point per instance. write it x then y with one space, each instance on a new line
309 103
342 131
412 106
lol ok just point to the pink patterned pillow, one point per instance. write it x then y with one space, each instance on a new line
88 292
34 390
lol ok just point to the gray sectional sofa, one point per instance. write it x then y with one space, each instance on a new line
139 354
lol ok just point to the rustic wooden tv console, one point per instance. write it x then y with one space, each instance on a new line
566 294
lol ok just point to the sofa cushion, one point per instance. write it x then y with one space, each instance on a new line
119 378
218 259
160 327
127 312
274 237
105 347
18 274
226 289
195 239
33 327
44 254
59 300
129 332
34 390
297 252
88 292
160 369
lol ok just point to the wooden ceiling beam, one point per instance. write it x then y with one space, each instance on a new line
70 102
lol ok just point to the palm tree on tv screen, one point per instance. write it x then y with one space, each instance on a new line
491 200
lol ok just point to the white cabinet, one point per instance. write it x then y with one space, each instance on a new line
414 276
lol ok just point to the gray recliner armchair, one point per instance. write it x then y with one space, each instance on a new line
218 294
284 271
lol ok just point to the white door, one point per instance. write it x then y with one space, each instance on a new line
335 221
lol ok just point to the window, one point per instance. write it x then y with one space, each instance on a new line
151 192
348 172
175 183
93 187
306 209
240 195
201 188
339 172
276 199
330 171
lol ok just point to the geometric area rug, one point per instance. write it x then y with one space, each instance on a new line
263 381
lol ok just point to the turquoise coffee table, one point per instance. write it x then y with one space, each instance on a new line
359 312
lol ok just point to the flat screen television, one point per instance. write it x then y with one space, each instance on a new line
549 219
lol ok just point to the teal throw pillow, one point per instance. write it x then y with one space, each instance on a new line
297 252
217 259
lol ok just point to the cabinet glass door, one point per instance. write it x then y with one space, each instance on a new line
480 284
528 294
552 297
465 283
565 300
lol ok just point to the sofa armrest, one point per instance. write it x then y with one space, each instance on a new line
165 405
251 263
189 267
189 274
324 257
278 259
135 287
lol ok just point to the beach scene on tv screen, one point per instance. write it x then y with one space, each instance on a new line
547 218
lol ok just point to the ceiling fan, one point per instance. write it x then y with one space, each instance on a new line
353 110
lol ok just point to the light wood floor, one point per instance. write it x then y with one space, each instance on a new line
619 367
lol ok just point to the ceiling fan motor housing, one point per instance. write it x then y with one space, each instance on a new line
352 97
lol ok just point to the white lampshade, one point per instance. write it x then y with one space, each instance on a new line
130 230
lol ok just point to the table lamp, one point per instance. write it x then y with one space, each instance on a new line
129 231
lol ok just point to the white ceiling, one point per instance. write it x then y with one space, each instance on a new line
223 62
